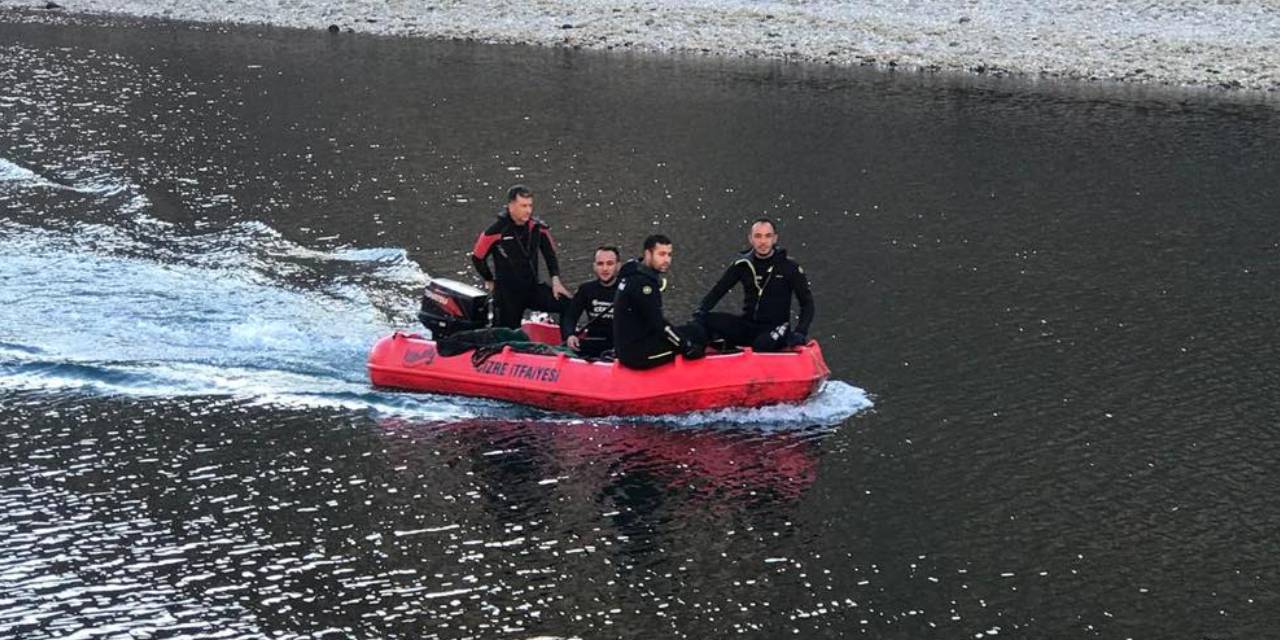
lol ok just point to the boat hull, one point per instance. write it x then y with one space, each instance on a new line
567 384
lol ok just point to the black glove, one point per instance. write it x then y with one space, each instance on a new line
693 341
797 339
692 351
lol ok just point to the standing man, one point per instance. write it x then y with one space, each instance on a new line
644 339
769 279
595 298
514 241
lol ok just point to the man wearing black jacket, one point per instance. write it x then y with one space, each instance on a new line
594 298
643 338
514 241
769 279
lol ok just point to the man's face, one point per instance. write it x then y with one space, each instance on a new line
763 237
520 209
658 258
606 265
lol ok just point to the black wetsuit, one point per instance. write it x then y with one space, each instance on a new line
595 299
514 249
768 285
643 338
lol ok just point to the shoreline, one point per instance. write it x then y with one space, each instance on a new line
1229 48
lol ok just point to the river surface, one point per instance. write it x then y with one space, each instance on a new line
1049 311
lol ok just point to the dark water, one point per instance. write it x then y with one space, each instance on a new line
1061 300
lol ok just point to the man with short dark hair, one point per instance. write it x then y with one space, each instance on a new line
769 280
514 241
594 298
643 338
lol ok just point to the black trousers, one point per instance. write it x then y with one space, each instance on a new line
741 332
510 303
657 350
590 347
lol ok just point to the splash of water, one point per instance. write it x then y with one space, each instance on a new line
129 306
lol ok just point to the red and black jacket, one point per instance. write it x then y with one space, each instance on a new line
514 249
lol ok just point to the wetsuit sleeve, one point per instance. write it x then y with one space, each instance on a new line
548 246
569 321
480 252
800 285
722 287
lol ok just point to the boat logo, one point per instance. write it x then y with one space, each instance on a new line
450 305
419 355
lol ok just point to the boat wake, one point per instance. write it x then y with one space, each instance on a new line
128 305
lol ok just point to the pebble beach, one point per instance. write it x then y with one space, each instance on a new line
1223 45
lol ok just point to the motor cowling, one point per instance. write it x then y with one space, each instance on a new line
449 306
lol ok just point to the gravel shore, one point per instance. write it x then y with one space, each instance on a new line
1227 44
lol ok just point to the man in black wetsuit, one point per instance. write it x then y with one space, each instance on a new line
643 338
594 298
514 241
769 279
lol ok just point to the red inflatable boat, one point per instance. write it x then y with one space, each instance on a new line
568 384
574 385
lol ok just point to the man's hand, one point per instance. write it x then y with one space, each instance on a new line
574 343
558 290
488 286
797 339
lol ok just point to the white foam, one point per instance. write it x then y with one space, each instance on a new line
24 177
836 402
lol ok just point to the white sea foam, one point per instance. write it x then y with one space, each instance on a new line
15 176
19 176
833 404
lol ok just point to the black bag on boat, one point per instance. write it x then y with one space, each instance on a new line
464 341
485 343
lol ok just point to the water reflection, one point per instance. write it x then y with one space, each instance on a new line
660 509
231 515
724 466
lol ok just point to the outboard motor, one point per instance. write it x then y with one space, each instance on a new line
449 306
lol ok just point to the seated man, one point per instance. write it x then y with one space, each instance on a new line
769 279
514 241
644 339
595 298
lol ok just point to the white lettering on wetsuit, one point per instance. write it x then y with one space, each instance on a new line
602 309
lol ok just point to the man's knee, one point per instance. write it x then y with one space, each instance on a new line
773 339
